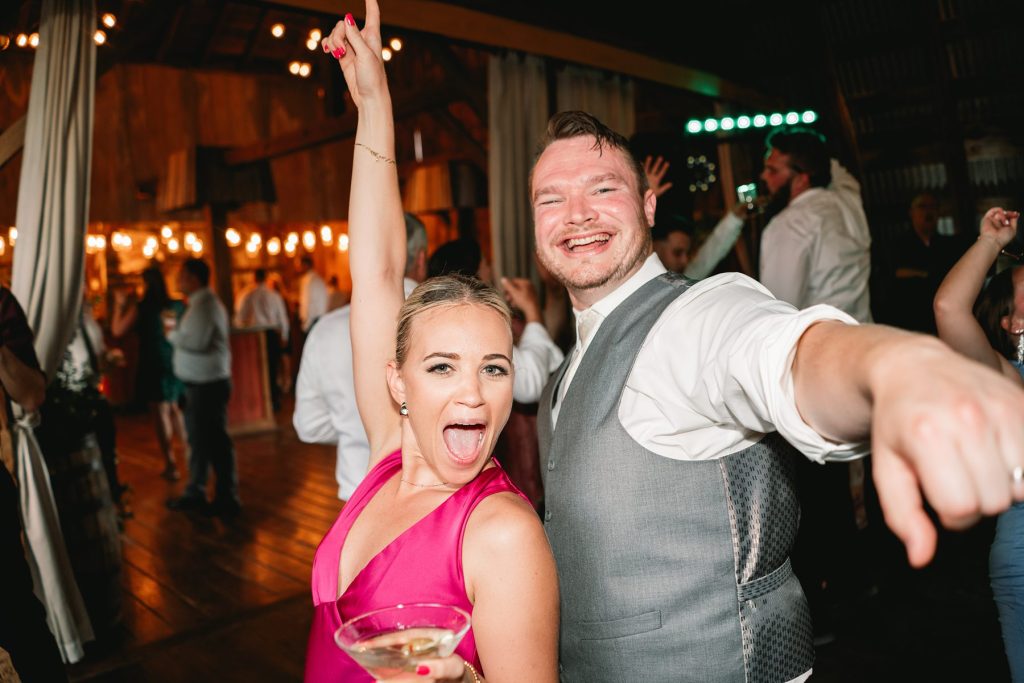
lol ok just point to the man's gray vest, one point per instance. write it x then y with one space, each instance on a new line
669 570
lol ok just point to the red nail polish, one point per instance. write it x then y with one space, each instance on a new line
339 53
349 19
326 48
422 669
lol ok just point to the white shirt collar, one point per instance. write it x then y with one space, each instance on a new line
651 269
809 192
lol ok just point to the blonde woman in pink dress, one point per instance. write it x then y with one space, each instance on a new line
436 519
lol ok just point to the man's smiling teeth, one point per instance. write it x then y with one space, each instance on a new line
583 241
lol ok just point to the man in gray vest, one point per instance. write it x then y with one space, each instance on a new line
670 503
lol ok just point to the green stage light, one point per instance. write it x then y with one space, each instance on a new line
792 118
809 117
760 121
728 123
775 119
743 122
694 126
711 125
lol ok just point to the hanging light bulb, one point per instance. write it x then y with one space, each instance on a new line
293 68
166 233
148 251
109 20
21 40
33 40
196 247
232 237
190 239
252 248
326 234
173 246
274 246
315 35
396 44
256 239
151 243
342 242
101 242
277 30
289 248
293 238
309 240
3 246
386 54
100 36
305 69
312 43
12 235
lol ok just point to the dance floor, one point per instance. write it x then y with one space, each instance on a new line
206 600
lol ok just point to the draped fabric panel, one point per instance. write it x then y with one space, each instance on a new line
609 97
53 203
518 112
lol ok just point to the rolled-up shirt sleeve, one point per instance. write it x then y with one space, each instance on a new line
715 375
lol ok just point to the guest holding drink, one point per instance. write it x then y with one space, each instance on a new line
436 519
986 323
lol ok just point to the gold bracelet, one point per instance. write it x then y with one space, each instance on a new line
472 672
376 155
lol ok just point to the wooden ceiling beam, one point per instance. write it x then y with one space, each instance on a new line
463 24
426 99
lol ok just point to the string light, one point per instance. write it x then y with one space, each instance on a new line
326 234
343 242
33 40
386 54
151 243
21 40
232 237
252 248
173 246
197 247
293 238
190 239
3 246
396 44
12 235
293 68
256 239
309 240
109 20
101 242
166 233
148 251
305 69
274 246
5 42
277 30
289 248
99 37
745 122
311 43
315 35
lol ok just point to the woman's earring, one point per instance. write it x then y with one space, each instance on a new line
404 410
1020 348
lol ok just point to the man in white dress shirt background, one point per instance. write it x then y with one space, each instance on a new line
313 295
261 305
723 367
325 399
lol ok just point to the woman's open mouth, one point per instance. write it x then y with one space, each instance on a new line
464 440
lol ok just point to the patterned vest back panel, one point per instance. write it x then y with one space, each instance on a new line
669 570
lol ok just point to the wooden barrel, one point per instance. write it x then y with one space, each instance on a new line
89 523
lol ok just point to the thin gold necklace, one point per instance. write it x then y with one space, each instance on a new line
424 486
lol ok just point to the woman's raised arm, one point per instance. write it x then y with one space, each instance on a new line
376 227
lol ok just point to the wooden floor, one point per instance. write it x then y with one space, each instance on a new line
206 600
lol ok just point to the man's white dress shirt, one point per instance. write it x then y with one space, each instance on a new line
312 298
818 249
261 305
715 372
202 351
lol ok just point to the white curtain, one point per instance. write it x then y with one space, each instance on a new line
609 97
517 98
53 207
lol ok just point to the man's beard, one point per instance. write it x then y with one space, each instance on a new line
779 199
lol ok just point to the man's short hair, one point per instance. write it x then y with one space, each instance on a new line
198 268
260 274
415 239
806 150
567 125
670 223
461 256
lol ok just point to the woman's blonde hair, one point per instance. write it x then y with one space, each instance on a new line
445 290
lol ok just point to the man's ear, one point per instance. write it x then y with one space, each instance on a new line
650 204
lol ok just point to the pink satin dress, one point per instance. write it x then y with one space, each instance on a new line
423 564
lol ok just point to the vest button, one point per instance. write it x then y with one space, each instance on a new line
547 515
551 464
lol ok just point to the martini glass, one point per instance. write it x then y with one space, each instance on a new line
393 640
